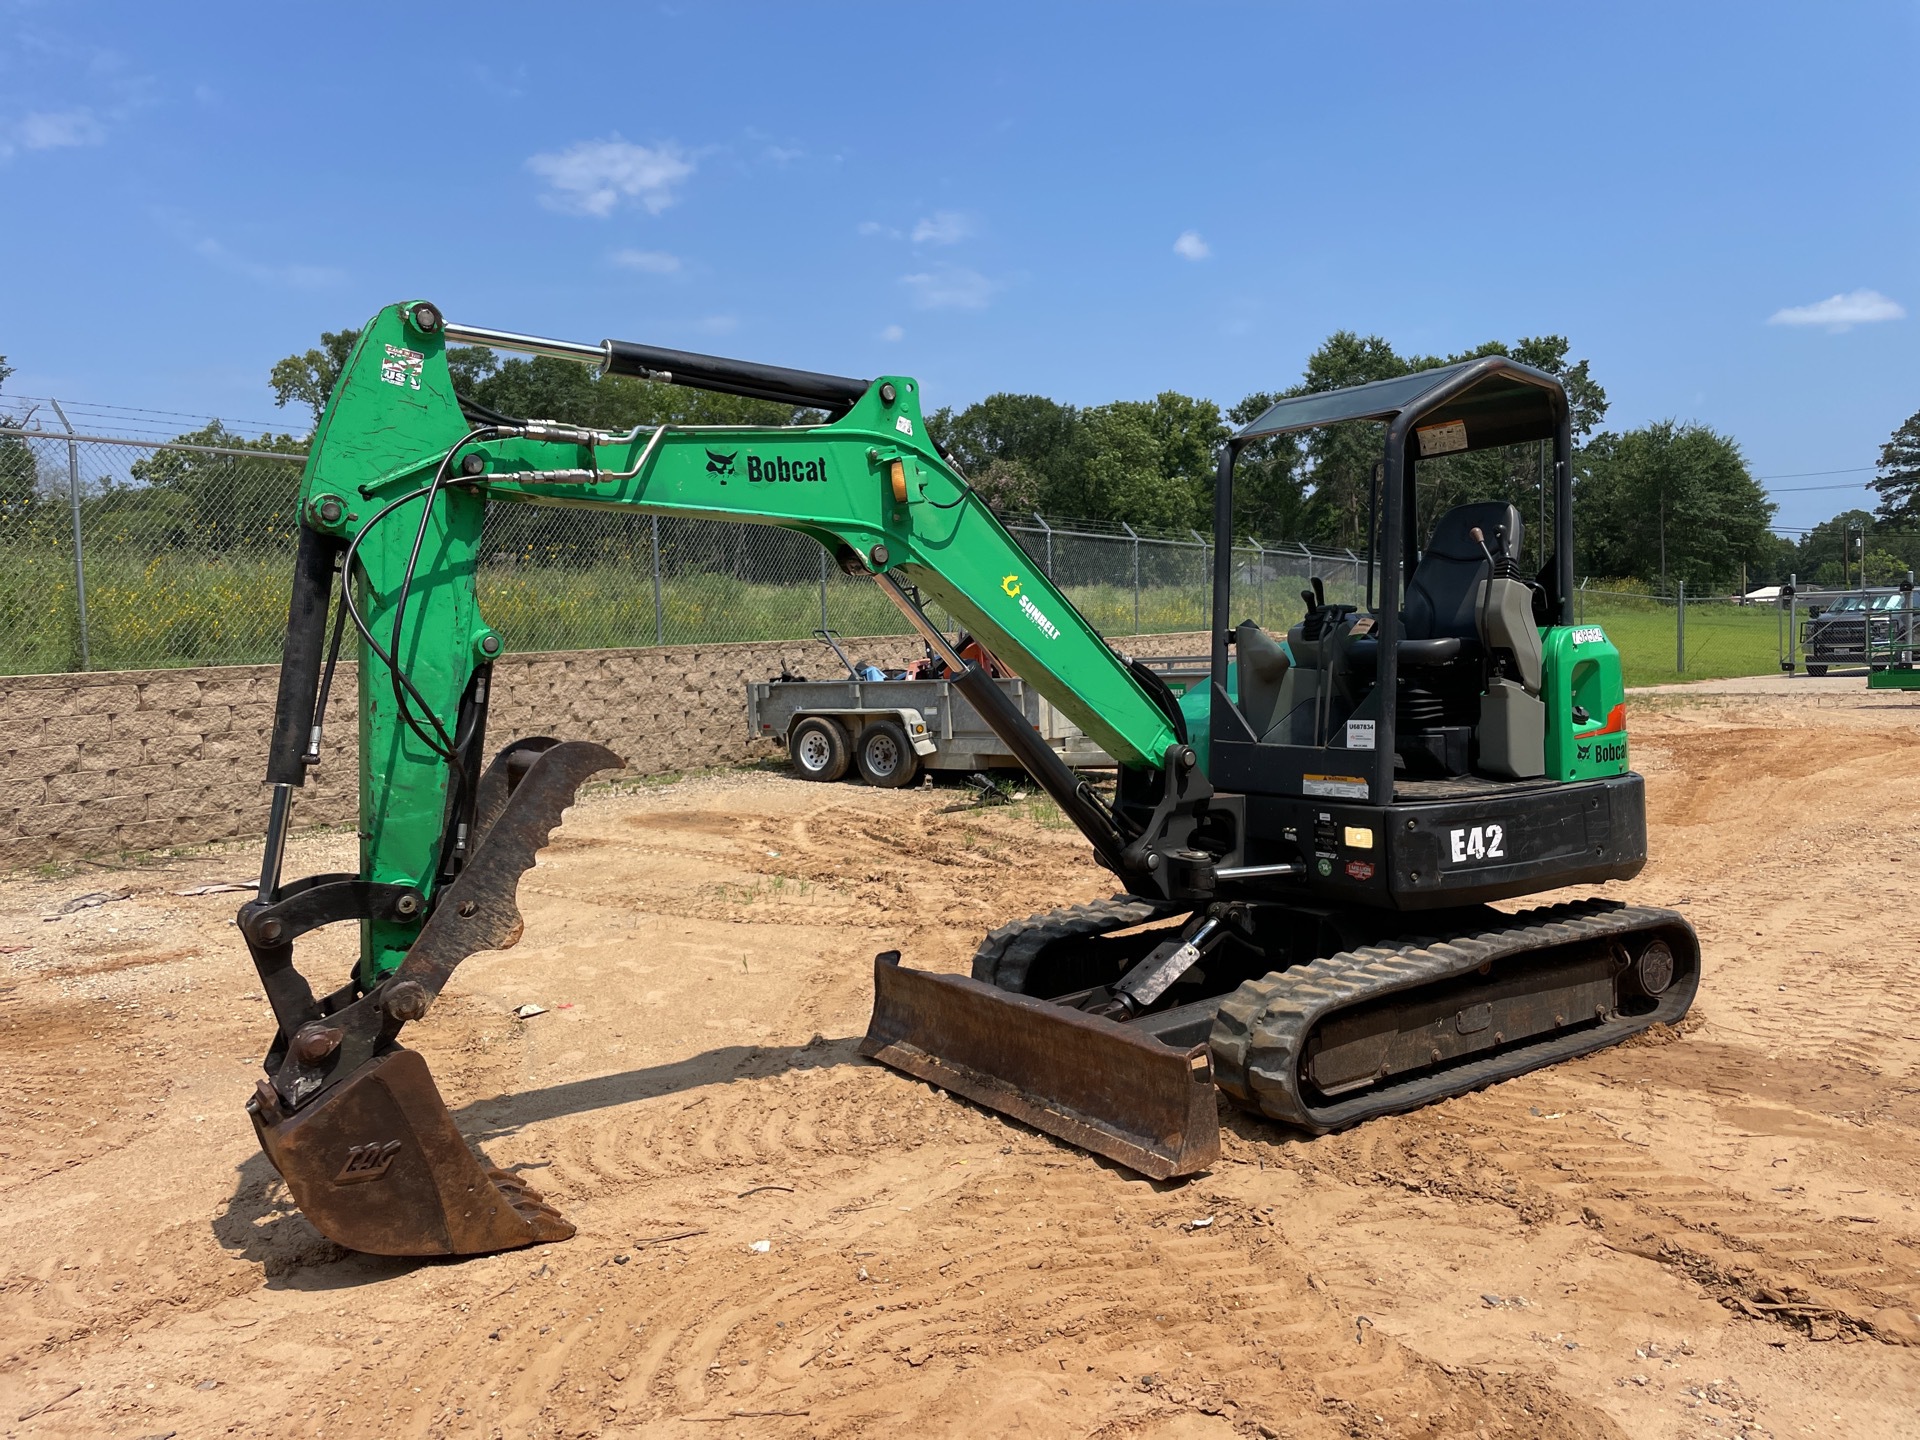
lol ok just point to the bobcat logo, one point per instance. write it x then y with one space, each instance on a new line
368 1162
718 464
1011 584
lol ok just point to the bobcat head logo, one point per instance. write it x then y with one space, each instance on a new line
718 464
367 1162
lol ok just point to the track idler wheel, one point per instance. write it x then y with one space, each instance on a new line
377 1165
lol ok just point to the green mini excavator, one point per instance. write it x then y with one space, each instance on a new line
1307 849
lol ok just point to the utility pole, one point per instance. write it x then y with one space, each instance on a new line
1663 537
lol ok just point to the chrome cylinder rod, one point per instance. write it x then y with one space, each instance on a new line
574 350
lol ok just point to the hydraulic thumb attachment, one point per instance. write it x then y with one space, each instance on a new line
351 1119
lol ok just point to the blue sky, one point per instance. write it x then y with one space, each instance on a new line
1093 202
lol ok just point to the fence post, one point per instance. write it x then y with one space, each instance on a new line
1580 610
1136 574
1048 529
823 589
1206 577
1680 633
79 549
1260 578
659 611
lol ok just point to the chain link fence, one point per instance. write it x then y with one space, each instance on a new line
125 552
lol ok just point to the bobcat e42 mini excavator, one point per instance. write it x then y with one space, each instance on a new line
1306 848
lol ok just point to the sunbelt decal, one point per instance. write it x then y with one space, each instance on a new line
1011 584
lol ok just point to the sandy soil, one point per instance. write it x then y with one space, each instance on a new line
1711 1236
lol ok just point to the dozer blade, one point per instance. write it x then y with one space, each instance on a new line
1091 1082
380 1168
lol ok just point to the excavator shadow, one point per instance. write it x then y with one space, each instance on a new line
261 1225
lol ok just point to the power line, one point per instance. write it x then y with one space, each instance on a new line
1805 489
1810 474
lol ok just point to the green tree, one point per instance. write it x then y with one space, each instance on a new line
1017 450
309 378
19 476
188 499
1670 502
1829 554
1899 479
1335 466
1269 483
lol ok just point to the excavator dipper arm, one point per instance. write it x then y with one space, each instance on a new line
390 506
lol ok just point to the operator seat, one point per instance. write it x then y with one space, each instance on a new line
1469 660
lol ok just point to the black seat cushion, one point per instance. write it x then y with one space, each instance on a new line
1445 586
1363 654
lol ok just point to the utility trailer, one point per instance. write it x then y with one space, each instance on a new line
888 730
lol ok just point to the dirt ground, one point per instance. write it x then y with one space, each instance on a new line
1712 1236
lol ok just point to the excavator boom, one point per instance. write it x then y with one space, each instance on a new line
390 507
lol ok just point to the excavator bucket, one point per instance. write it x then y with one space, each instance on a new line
352 1120
1089 1081
380 1168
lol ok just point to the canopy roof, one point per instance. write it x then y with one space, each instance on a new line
1498 401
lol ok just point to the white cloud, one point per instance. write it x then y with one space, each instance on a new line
874 227
950 287
652 262
51 130
893 332
294 274
1191 247
943 227
593 177
1842 312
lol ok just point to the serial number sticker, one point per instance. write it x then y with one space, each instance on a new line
1334 787
1442 439
1589 635
1360 734
1470 844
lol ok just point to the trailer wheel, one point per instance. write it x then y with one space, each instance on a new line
819 749
1816 670
886 757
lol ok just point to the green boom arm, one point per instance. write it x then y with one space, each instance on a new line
870 485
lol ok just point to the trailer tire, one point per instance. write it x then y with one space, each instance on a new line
885 755
819 748
1816 670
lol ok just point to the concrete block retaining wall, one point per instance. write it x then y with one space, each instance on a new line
101 763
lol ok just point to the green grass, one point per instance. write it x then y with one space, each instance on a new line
211 608
1723 639
185 608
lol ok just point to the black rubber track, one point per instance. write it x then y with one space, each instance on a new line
1260 1035
1006 956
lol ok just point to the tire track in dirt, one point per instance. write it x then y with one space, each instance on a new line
1542 1152
982 1276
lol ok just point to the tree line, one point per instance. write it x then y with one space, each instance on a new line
1664 503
